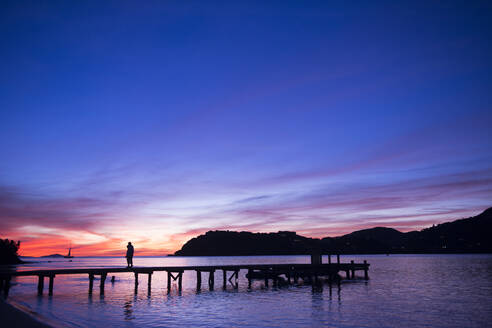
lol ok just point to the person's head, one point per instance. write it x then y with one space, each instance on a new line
129 243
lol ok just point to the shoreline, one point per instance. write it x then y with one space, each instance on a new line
14 314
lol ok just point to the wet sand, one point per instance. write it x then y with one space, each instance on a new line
13 316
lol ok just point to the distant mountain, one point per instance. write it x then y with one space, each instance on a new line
247 243
471 235
53 255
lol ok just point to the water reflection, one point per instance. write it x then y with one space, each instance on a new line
396 295
316 301
128 308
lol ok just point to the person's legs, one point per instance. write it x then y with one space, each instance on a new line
131 262
128 261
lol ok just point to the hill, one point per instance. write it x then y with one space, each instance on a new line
247 243
471 235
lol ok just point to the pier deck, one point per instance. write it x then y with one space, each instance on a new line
274 272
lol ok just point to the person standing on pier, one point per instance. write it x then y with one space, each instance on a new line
129 254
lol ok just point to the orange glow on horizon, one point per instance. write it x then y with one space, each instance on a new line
113 247
54 244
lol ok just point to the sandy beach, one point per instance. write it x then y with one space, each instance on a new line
13 316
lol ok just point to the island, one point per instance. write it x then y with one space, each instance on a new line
53 256
469 235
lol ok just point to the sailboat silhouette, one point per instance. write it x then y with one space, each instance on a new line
69 255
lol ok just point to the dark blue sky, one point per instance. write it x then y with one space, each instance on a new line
158 120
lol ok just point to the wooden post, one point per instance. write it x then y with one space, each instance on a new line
234 276
136 279
329 258
113 278
180 280
40 284
315 258
339 290
236 284
224 278
211 279
6 286
275 278
250 272
366 276
353 269
91 282
266 278
101 285
338 258
168 281
347 272
198 279
149 280
52 278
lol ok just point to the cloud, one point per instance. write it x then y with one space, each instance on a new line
20 208
331 209
102 222
252 199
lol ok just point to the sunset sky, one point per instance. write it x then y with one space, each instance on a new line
156 121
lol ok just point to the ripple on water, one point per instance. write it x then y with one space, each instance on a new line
404 291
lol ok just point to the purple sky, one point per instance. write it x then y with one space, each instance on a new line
157 121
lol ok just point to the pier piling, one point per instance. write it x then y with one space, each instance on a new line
50 288
102 282
198 279
91 282
211 279
235 276
149 280
40 284
178 277
5 285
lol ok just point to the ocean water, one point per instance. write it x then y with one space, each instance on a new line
403 291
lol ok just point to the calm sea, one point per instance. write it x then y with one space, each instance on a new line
403 291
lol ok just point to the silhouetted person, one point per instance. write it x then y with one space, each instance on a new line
129 254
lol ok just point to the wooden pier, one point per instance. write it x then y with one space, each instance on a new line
276 273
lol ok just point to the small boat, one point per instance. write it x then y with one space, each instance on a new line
69 255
